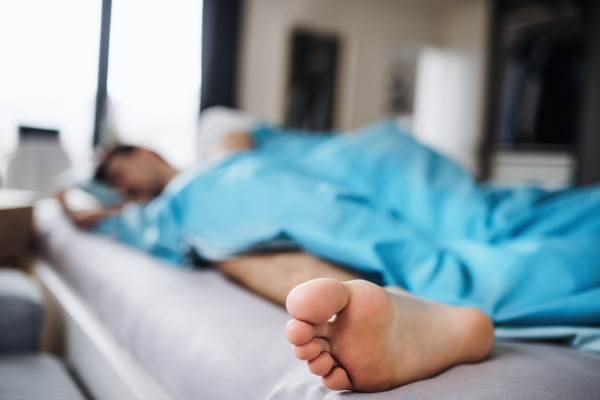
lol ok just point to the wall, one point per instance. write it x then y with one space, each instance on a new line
377 36
450 95
371 34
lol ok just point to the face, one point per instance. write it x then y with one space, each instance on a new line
134 175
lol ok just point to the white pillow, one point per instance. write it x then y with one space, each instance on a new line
216 123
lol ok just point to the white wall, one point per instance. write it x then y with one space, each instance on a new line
153 76
376 36
371 32
450 95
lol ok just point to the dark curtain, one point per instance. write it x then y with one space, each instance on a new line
589 144
220 42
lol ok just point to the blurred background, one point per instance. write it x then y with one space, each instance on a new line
510 89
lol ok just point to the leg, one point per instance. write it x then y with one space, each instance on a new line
361 337
371 320
275 275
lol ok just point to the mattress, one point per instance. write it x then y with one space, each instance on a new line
204 337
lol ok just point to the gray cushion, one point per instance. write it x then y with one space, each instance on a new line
204 337
35 377
21 309
514 371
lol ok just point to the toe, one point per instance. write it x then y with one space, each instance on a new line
299 332
321 365
337 379
312 349
318 300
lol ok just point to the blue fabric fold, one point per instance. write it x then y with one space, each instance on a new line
380 203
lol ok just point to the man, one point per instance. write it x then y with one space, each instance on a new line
384 208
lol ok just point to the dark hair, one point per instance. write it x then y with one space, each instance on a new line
101 174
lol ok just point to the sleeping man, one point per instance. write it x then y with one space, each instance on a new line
393 262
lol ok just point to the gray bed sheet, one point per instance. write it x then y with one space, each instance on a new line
204 337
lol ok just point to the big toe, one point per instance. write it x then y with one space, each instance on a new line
318 300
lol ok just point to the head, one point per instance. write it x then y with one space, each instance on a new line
140 174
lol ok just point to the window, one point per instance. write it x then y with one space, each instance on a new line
49 73
154 75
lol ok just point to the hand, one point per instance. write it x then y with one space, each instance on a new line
236 141
86 219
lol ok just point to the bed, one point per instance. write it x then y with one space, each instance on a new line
193 334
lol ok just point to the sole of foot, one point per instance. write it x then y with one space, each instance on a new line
359 336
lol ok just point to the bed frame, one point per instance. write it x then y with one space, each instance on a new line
73 331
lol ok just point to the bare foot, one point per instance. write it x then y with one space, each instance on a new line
361 337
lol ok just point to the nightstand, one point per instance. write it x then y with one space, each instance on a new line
16 210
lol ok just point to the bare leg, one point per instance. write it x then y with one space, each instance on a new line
380 338
275 275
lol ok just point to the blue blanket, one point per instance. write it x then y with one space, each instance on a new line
380 203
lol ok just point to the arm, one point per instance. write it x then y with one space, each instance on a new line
236 141
268 137
85 219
